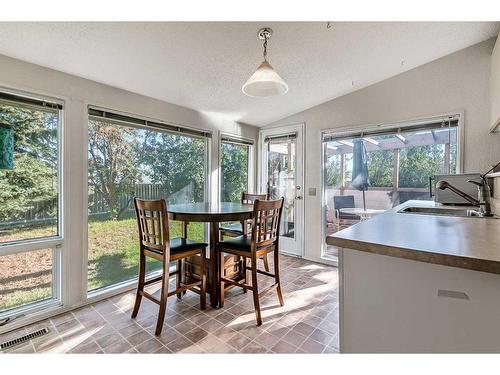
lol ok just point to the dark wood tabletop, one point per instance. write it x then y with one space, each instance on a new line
213 213
210 212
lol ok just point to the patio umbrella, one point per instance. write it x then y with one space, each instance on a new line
360 178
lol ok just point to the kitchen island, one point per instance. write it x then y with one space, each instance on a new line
419 283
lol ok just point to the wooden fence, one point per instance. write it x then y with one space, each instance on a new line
41 213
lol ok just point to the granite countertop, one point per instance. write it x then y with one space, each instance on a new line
465 242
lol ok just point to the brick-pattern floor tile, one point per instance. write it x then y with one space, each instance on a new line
238 341
254 348
149 346
139 338
311 346
305 324
283 347
294 338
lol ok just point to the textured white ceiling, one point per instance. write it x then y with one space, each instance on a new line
202 65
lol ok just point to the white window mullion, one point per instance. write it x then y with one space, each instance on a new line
25 223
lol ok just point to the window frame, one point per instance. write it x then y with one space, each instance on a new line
108 291
403 124
242 141
54 242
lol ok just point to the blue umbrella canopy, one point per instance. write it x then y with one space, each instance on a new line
360 177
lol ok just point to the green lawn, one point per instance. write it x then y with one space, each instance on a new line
114 250
113 258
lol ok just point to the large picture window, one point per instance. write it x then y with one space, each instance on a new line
235 164
400 160
30 235
130 157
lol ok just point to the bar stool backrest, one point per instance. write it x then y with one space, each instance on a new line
248 198
266 223
152 220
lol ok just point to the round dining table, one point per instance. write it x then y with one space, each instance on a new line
212 213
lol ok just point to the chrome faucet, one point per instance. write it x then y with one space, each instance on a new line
483 194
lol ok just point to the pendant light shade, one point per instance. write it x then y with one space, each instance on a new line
265 82
6 146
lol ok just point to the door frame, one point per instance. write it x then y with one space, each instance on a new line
262 167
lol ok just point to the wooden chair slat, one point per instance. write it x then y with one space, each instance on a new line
264 240
247 198
154 242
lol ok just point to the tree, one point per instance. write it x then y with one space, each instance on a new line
114 158
419 163
123 159
234 169
380 167
176 163
332 170
32 184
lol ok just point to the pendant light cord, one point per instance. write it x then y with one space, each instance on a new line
265 47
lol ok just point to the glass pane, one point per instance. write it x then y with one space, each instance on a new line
29 191
25 278
399 166
281 174
234 171
125 162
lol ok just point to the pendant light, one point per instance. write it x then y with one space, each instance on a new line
265 81
6 146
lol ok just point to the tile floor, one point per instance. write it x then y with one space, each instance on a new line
308 323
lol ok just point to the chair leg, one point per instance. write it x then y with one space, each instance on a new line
277 278
163 298
203 276
266 262
140 286
255 291
221 283
178 277
244 272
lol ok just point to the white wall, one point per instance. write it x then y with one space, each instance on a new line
78 93
495 85
457 82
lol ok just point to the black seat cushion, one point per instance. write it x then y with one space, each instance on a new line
180 245
239 243
232 228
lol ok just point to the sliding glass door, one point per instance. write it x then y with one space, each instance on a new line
129 157
399 162
30 209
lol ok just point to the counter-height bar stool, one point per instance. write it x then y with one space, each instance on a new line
264 239
239 229
155 242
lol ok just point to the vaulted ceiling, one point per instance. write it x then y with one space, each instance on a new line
202 65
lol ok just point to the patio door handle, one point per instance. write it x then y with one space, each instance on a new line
298 197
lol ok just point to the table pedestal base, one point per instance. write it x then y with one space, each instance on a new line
232 267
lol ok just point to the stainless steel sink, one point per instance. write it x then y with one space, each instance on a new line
442 211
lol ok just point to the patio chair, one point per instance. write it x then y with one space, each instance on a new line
344 201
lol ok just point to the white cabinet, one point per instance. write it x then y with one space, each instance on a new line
394 305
